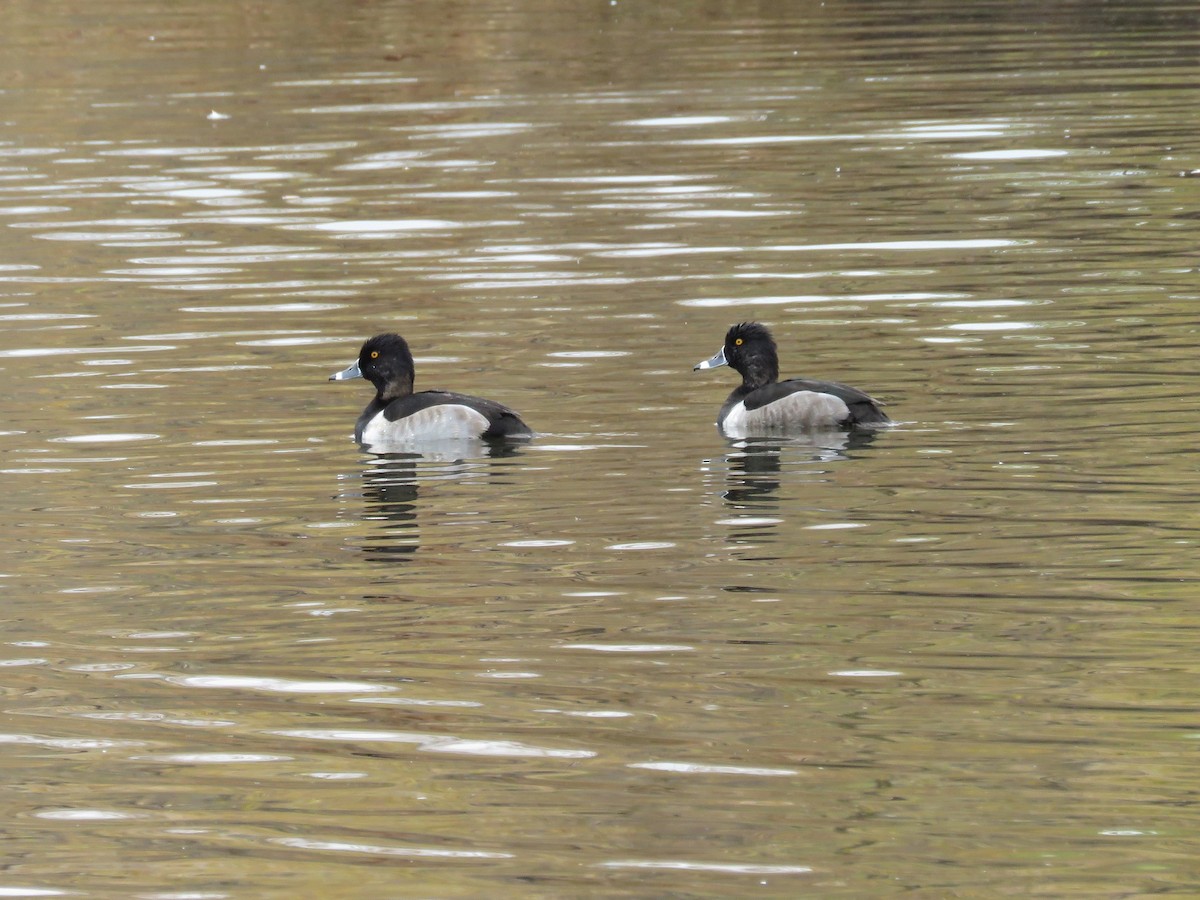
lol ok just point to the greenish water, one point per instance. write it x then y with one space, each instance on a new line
243 658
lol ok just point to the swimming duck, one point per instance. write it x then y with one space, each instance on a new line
397 415
765 405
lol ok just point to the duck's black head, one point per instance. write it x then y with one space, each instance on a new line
387 363
750 351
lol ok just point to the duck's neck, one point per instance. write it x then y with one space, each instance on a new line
760 371
398 387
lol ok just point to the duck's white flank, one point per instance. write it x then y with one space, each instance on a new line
444 422
802 410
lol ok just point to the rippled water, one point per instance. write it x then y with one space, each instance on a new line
244 658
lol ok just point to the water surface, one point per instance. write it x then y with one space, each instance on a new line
243 657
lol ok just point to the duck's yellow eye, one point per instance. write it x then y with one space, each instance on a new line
737 342
374 354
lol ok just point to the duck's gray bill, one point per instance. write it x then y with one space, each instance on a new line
351 371
717 361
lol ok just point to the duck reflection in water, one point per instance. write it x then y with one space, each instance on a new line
390 492
389 497
754 466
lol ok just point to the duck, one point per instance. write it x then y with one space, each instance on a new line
764 405
398 416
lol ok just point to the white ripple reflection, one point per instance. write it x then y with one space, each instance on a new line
103 438
588 354
533 280
174 151
678 121
276 685
67 743
105 237
291 342
470 130
981 304
615 179
363 78
1009 154
701 769
733 868
630 648
84 815
387 226
78 351
724 213
419 852
204 759
760 140
903 296
436 743
265 307
415 701
41 317
942 244
198 271
991 326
